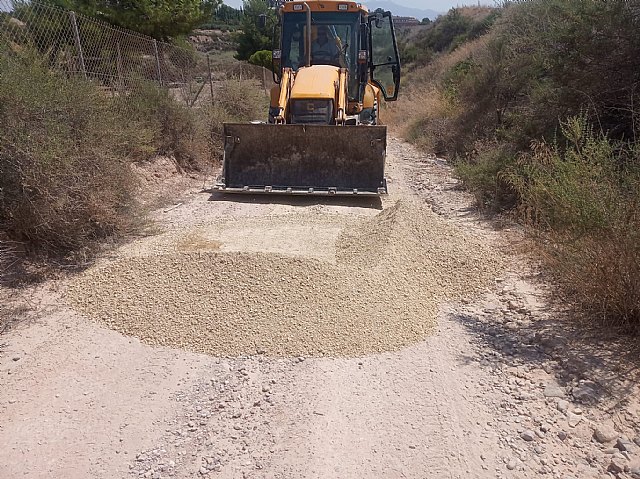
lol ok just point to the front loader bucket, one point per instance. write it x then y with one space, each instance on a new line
304 159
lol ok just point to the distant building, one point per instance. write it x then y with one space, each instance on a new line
406 21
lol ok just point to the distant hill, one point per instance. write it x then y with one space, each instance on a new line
401 11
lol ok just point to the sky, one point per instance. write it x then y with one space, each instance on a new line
437 5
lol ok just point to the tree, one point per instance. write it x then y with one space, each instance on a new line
262 58
161 19
253 38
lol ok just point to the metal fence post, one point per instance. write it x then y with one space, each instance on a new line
155 49
76 34
119 68
210 78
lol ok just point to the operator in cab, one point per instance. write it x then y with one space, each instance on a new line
324 51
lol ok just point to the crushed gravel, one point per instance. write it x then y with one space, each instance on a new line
382 293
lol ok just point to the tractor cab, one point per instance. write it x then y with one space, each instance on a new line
343 35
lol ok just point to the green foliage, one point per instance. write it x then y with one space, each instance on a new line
483 175
161 19
546 60
411 54
227 16
252 38
262 58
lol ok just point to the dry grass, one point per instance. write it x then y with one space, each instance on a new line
66 149
583 207
64 180
424 114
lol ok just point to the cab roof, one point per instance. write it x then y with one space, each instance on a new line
323 6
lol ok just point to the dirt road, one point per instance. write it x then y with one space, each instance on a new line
267 338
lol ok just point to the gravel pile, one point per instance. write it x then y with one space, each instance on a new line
392 272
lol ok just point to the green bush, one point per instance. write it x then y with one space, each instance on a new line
262 58
448 32
543 62
483 175
542 114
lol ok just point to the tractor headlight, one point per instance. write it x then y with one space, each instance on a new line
312 111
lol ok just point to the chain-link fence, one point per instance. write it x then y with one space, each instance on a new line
115 58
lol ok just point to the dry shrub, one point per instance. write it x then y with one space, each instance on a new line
64 178
241 100
495 107
426 111
163 126
583 201
193 136
235 101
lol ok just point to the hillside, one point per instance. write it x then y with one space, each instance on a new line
540 117
419 45
401 10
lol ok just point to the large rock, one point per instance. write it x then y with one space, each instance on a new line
624 444
605 434
616 465
586 392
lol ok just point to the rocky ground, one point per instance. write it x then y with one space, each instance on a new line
474 374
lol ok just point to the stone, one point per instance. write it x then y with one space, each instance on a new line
512 464
604 434
562 435
616 465
624 444
528 435
562 406
573 419
634 468
553 390
585 393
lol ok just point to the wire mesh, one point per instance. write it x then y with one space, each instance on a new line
116 59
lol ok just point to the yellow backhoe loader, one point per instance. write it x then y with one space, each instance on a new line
334 63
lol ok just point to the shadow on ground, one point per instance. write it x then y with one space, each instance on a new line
595 366
372 202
